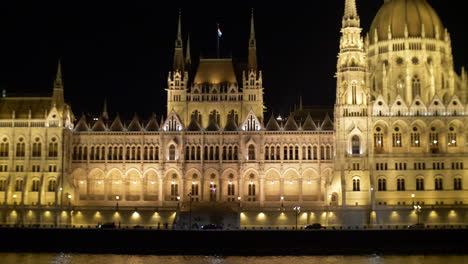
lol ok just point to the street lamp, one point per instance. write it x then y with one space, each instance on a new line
297 210
417 210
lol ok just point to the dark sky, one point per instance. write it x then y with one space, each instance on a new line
123 52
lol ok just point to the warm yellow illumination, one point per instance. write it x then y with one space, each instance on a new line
134 182
14 196
309 182
172 182
152 182
193 183
135 215
99 182
211 183
117 197
69 196
230 183
272 182
117 182
291 182
81 182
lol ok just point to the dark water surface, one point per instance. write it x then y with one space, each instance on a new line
27 258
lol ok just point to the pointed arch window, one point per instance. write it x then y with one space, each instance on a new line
20 148
355 145
397 138
439 184
457 184
214 115
416 85
35 185
420 184
401 184
251 152
356 185
36 148
196 115
4 148
354 92
172 152
382 185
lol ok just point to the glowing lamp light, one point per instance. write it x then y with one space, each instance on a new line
413 195
230 183
272 182
193 183
14 196
239 198
81 182
398 141
172 183
134 182
152 182
99 182
309 182
330 196
117 182
454 141
291 182
435 141
417 141
282 198
251 183
211 183
117 197
178 198
69 196
380 141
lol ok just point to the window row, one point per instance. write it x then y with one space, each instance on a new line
211 153
292 153
115 153
19 185
438 184
36 150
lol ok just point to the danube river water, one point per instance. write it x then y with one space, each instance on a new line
27 258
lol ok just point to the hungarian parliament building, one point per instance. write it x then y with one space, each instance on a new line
391 152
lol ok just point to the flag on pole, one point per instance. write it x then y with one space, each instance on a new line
220 34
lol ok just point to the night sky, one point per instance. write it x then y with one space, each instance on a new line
124 52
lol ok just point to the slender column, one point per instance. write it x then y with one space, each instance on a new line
300 182
240 189
220 189
282 187
160 192
143 185
107 182
262 190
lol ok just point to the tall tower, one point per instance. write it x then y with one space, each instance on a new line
178 77
58 95
351 114
252 78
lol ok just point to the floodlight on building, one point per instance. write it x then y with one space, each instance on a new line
134 182
152 182
413 195
230 183
81 182
309 182
14 196
99 182
117 197
193 183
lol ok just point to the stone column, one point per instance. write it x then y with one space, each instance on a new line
281 187
107 182
300 181
220 189
262 190
160 192
240 189
143 185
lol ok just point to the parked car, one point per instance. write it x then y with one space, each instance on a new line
107 226
314 226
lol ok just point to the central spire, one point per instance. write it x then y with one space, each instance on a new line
351 17
252 45
179 47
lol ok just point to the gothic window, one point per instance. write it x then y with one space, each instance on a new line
434 139
195 191
355 145
415 138
322 153
36 148
251 152
233 114
401 184
315 153
457 184
174 191
354 92
278 153
172 153
382 185
416 85
328 153
187 153
231 188
267 153
20 148
236 151
52 186
53 148
420 184
378 138
3 185
19 185
356 185
213 190
4 148
35 186
439 184
452 137
396 138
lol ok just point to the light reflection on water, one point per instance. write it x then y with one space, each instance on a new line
26 258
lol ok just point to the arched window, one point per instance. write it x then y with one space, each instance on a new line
415 138
52 186
53 148
36 148
378 139
4 148
3 185
457 184
196 115
251 151
439 184
172 153
356 185
214 115
401 184
452 137
20 148
420 184
382 185
354 92
396 138
35 186
416 84
355 145
19 185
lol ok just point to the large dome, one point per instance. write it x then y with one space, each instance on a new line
414 13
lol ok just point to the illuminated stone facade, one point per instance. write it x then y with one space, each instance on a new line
397 139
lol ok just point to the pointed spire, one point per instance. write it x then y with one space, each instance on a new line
82 126
309 124
135 124
179 47
252 45
272 124
105 114
327 123
117 124
58 97
212 125
291 123
99 126
351 17
152 124
188 57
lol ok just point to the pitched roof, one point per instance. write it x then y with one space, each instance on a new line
152 124
291 123
135 124
82 126
309 124
272 124
215 71
327 124
231 124
117 124
99 126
